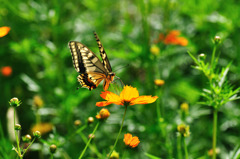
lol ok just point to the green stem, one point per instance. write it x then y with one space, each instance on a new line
89 141
28 146
179 148
92 147
213 55
159 116
38 117
185 148
214 133
118 133
51 156
16 134
78 131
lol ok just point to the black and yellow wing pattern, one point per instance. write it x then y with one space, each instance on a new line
92 70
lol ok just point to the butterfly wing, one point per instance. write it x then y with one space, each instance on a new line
103 54
91 70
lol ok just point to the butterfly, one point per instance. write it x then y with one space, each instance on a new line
92 70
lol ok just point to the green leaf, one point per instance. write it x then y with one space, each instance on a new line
151 156
235 154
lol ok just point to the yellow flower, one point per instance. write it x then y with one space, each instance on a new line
37 101
184 107
159 82
155 50
128 96
103 114
183 129
43 128
4 31
131 141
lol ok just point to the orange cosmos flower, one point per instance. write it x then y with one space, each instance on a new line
128 96
173 38
6 71
131 141
4 31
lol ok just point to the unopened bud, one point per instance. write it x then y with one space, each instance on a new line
77 122
15 102
53 148
217 39
37 134
91 136
90 120
17 127
27 138
202 57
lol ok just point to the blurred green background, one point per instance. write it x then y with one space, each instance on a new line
36 49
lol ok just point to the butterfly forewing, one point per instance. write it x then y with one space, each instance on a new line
84 60
103 54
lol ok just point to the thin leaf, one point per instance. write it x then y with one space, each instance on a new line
151 156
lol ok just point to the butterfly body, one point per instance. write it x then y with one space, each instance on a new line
92 70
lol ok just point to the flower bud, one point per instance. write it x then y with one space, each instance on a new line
217 40
53 148
27 138
37 134
103 114
184 107
17 127
77 122
15 102
91 136
210 152
155 50
202 57
114 155
159 82
90 120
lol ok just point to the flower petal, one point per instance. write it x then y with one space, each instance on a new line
144 100
103 103
127 138
134 142
111 97
4 31
129 93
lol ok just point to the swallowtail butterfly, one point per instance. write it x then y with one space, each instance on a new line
92 70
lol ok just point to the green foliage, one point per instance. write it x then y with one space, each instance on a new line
220 91
36 50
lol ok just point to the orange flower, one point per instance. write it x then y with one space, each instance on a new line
128 96
103 114
172 38
4 31
131 141
6 71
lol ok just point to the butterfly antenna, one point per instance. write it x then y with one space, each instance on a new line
127 65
